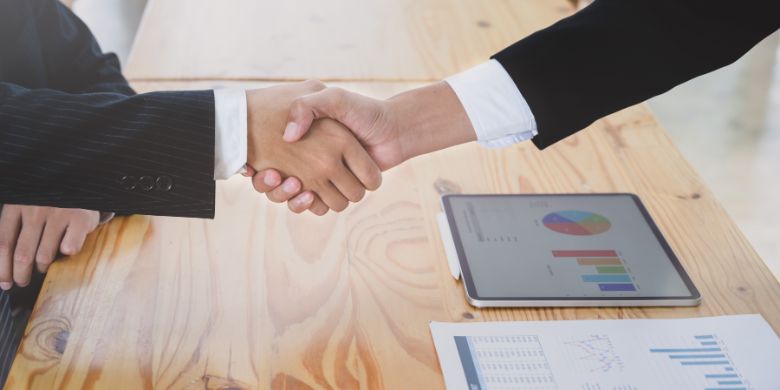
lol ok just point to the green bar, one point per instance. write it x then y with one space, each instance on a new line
611 269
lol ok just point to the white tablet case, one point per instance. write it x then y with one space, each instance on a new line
449 245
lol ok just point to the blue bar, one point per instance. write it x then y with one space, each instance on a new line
607 278
704 337
725 388
705 363
705 356
684 350
729 382
721 376
617 287
729 368
709 343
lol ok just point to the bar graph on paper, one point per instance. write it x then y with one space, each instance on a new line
504 362
707 357
719 353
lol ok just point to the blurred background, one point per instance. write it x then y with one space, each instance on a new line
726 123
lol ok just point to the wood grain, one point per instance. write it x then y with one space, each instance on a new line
389 40
260 298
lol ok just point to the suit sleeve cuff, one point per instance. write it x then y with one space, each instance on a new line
230 141
496 108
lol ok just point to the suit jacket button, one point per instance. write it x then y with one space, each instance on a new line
128 182
164 183
146 183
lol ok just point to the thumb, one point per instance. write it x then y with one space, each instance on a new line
306 109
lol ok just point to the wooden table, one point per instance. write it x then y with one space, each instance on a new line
390 40
262 298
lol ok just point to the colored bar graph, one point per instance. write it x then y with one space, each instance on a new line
611 270
614 278
704 337
585 253
600 261
617 287
729 382
709 343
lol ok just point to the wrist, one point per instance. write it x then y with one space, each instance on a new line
430 118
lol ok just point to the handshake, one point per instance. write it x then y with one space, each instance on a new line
320 148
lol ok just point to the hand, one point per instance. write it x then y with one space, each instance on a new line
330 162
412 123
37 234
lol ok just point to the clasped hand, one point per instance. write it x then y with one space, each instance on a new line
326 166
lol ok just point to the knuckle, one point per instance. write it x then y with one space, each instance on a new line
22 259
315 85
44 259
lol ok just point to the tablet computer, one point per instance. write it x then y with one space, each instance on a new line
564 250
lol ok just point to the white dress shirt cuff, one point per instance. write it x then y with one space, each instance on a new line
230 143
497 110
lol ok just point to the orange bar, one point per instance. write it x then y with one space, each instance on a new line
600 261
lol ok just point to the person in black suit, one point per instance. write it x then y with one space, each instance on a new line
73 134
75 137
608 56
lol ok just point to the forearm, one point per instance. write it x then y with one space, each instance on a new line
146 154
430 118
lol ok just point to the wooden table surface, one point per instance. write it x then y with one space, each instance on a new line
391 40
261 298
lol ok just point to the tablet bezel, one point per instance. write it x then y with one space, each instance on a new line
471 291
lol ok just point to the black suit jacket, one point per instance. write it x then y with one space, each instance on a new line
74 134
616 53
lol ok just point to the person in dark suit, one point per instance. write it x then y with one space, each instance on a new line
606 57
75 137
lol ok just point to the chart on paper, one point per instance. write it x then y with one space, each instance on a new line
719 353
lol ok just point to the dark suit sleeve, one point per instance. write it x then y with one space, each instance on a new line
73 59
616 53
145 154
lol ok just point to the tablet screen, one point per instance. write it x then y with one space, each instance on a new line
562 246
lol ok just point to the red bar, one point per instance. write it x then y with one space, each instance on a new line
585 253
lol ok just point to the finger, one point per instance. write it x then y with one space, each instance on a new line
266 180
363 167
73 240
10 225
327 103
302 202
318 207
332 197
348 184
289 188
248 171
49 246
26 248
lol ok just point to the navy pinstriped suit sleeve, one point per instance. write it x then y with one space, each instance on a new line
74 134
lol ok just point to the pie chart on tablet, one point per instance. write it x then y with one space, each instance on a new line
576 223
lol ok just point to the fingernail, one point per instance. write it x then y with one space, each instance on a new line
303 199
269 180
290 186
6 285
289 131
